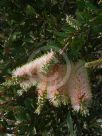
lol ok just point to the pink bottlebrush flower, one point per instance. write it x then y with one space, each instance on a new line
32 69
78 86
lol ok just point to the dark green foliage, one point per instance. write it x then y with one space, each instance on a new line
27 25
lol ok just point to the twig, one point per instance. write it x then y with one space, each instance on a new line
64 48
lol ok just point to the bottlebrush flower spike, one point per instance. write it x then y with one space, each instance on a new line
78 86
32 69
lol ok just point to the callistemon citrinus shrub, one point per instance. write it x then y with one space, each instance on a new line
35 97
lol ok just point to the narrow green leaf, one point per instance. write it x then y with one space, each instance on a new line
70 125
